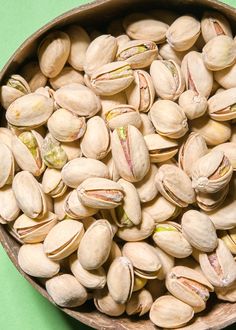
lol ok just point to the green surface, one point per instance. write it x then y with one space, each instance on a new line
21 306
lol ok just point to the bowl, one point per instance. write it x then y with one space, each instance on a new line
218 314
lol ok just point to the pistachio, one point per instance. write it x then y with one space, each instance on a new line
167 78
7 165
54 156
52 183
146 125
167 263
67 76
168 53
193 104
226 293
139 303
9 209
114 253
66 291
226 77
107 305
130 153
122 115
229 238
112 101
53 53
222 106
229 149
146 188
73 207
211 201
33 75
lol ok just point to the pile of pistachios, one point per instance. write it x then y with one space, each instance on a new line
116 171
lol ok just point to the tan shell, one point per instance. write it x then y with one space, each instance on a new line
122 115
67 76
174 124
139 303
170 312
219 266
167 78
193 104
168 53
95 246
95 145
226 77
221 106
29 195
168 237
93 279
107 305
114 253
182 41
134 164
146 188
80 169
6 136
167 263
146 125
7 165
72 149
53 53
229 149
9 209
52 183
227 293
174 184
209 202
34 262
120 279
112 101
144 259
58 205
78 99
33 75
73 207
198 229
63 239
66 291
34 231
229 238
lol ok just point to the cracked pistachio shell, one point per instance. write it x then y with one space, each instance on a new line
79 169
167 78
74 208
199 230
101 50
66 291
224 217
65 126
226 77
229 238
34 262
112 101
129 212
63 239
219 266
160 209
7 165
122 115
168 53
229 149
193 104
33 75
9 209
222 106
168 119
191 150
139 303
174 184
67 76
227 293
34 231
96 141
146 188
120 279
169 237
146 125
121 40
78 99
138 232
209 202
138 53
100 193
144 259
142 26
53 53
160 147
183 32
29 111
52 183
93 279
214 132
167 263
80 41
54 156
107 305
130 153
15 87
170 312
197 76
141 92
29 195
190 286
112 78
214 24
211 172
219 53
26 148
95 246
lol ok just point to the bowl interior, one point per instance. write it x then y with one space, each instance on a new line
218 314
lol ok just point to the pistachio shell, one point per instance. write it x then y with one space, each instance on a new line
114 253
226 293
229 238
54 155
146 188
67 76
146 125
66 291
52 183
107 305
140 303
112 101
7 166
193 104
209 202
122 115
229 149
168 53
33 75
58 205
221 106
167 263
6 136
74 208
9 209
72 149
95 246
226 77
34 262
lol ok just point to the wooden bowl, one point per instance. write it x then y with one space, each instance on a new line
218 314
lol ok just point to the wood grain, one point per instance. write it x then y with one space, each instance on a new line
218 314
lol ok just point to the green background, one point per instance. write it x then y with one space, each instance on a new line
21 306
